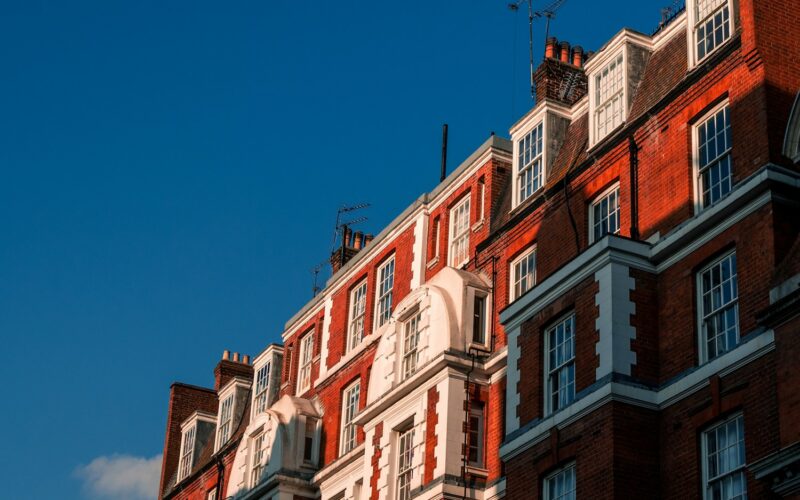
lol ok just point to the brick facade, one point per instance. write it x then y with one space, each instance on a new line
644 392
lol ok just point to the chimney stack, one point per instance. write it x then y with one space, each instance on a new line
351 244
560 76
230 367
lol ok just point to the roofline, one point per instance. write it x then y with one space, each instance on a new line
192 386
493 142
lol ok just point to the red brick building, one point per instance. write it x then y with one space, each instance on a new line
605 306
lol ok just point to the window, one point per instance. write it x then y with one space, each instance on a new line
459 233
262 389
479 319
187 453
719 308
410 341
475 453
560 364
259 452
712 26
435 238
225 421
358 307
560 485
530 169
306 356
211 495
349 412
523 273
609 98
405 457
385 284
604 214
713 156
723 460
308 441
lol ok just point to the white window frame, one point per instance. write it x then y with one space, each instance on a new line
357 315
305 361
476 436
619 58
550 371
351 397
186 461
226 412
473 295
405 463
409 344
212 494
703 315
614 189
437 231
694 22
530 276
458 234
258 449
481 200
262 386
520 165
310 428
697 185
384 292
737 420
566 472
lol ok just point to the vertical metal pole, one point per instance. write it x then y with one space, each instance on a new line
530 46
443 173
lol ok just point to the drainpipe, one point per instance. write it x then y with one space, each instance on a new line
633 151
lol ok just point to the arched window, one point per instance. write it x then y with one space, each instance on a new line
791 142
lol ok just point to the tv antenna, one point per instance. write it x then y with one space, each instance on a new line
344 209
315 288
548 13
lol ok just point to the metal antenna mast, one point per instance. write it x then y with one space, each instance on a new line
548 13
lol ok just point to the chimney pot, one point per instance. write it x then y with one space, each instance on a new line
236 357
565 52
246 359
359 239
346 237
226 354
577 56
550 48
367 239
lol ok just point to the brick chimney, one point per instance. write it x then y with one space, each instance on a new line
560 76
351 244
227 369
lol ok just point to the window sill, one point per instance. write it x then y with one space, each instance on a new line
432 262
476 227
474 470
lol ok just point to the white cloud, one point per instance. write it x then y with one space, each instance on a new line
121 477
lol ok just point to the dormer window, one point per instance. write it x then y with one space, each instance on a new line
609 98
187 453
712 26
262 388
225 421
530 164
232 399
195 433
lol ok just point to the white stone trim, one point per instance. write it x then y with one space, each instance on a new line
613 322
659 399
419 255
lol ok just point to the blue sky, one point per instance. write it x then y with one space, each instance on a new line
171 173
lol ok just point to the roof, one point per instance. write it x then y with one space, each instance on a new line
665 69
493 142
